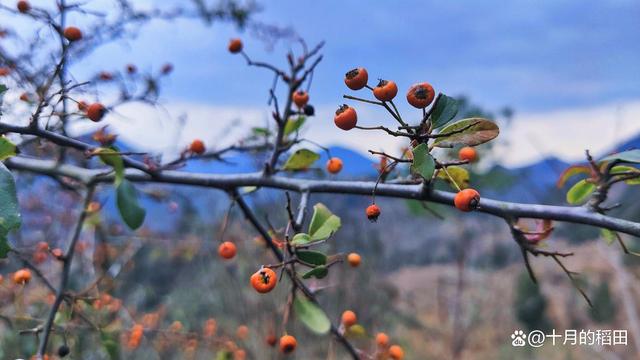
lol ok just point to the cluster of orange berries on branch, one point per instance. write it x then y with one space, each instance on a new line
264 280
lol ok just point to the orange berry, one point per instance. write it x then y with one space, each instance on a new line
39 257
382 340
93 206
57 252
22 276
349 318
288 344
82 105
227 250
386 90
467 200
420 95
356 79
346 117
1 279
42 246
396 352
210 327
235 46
271 340
105 76
242 332
23 6
197 147
334 165
373 212
264 280
4 71
300 98
176 326
25 97
166 68
72 33
96 111
239 354
354 259
467 153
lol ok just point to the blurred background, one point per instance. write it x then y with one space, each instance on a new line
558 77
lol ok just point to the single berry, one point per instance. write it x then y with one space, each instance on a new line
346 118
197 147
334 165
4 71
468 153
105 76
349 318
373 212
396 352
356 79
264 280
271 340
467 200
300 98
235 46
227 250
242 332
23 6
386 90
354 259
166 68
72 33
382 340
288 344
420 95
309 110
22 276
131 69
96 111
63 351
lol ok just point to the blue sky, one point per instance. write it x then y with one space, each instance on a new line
574 64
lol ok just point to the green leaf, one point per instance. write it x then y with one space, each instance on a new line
630 156
112 158
459 174
623 169
111 344
312 257
293 125
224 355
300 239
444 110
7 148
9 208
570 172
468 132
301 159
259 131
608 235
580 192
312 316
130 211
319 272
423 163
323 223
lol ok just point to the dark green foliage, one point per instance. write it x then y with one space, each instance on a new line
530 304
